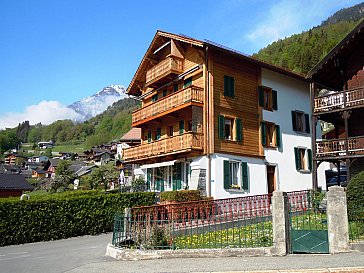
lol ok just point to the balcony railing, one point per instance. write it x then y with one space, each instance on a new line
337 147
339 100
169 65
176 144
164 105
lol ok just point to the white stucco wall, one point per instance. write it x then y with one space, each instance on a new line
293 94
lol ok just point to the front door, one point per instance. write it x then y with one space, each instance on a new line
271 180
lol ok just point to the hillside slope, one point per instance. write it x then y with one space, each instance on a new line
301 52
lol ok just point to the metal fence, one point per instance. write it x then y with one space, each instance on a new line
233 222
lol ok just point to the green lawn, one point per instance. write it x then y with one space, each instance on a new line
76 148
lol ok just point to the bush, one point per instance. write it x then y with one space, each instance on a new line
138 184
181 196
64 215
355 197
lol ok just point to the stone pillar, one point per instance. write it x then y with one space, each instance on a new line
127 228
337 220
280 215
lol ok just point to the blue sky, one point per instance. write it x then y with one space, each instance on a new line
53 53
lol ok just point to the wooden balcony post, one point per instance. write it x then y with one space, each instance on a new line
313 137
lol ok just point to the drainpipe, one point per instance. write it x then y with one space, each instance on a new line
208 170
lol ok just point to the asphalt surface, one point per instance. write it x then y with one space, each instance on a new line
87 254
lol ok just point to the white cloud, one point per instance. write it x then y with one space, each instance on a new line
288 17
45 112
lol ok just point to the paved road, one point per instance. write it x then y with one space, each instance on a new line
54 256
86 254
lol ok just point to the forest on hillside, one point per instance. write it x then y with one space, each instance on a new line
301 52
109 125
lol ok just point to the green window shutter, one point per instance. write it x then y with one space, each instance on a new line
175 87
221 126
275 100
294 124
229 86
244 176
309 154
149 136
226 86
158 134
261 96
164 93
181 126
307 120
149 178
278 136
239 129
263 131
297 158
227 175
187 82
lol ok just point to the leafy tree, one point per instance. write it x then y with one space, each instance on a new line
103 175
63 176
138 184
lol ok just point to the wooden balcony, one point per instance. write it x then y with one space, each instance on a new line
336 148
175 101
172 145
339 101
169 66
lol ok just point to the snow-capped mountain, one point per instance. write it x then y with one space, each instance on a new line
97 103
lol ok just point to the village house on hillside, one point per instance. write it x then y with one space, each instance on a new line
337 88
13 185
220 121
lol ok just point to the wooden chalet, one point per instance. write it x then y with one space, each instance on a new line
337 95
209 118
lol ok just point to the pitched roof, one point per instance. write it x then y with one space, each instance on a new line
133 134
14 182
161 37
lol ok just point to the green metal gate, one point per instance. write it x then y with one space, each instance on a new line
308 223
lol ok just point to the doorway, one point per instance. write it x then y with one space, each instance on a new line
271 180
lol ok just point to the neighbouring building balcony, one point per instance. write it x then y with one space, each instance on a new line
173 145
339 101
169 66
340 148
173 102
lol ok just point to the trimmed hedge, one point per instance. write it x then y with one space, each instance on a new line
355 197
181 196
63 216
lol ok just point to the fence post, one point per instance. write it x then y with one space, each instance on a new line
280 215
127 214
337 220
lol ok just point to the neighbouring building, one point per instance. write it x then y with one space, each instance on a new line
15 159
337 94
217 120
13 185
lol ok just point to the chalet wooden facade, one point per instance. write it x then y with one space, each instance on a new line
337 95
215 119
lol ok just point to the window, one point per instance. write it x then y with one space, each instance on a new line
170 131
187 82
303 159
236 175
181 126
228 126
267 98
229 86
155 97
175 87
164 93
189 126
149 136
270 134
300 121
157 134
